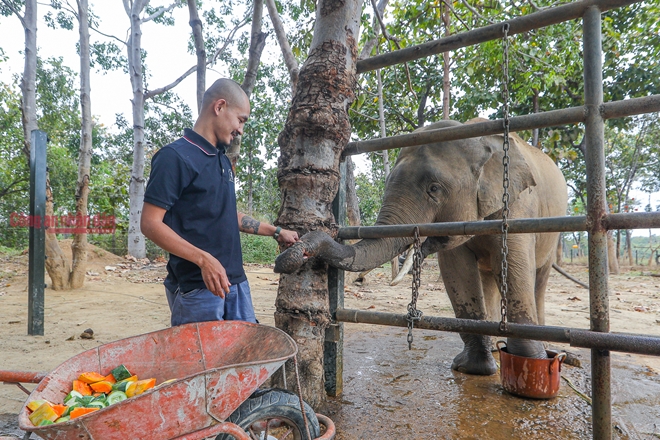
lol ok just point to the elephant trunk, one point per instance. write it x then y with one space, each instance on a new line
364 255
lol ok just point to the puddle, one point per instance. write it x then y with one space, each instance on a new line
393 392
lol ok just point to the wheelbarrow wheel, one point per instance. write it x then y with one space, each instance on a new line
275 412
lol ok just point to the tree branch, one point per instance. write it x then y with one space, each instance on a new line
107 35
228 40
148 94
160 11
369 45
392 39
475 12
11 7
257 44
289 59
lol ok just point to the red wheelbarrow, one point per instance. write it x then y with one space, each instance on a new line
217 369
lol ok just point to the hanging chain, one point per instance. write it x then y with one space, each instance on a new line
505 178
300 398
413 313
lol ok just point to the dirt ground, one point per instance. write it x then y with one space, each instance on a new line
389 391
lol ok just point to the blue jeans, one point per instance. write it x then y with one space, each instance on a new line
201 305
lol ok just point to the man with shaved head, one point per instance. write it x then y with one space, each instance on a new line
190 211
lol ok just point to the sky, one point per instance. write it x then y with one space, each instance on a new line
167 59
166 46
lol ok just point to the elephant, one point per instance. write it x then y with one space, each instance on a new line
457 181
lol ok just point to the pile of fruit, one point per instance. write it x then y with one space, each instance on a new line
91 391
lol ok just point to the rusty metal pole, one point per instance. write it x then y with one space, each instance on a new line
596 212
333 348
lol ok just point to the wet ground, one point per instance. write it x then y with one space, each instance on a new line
391 392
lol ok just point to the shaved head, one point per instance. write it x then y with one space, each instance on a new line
226 89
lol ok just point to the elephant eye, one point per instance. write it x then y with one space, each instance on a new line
434 188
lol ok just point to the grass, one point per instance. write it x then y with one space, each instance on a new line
258 249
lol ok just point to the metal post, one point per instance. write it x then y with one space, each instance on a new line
37 228
596 211
333 352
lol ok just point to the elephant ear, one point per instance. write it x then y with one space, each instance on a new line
491 190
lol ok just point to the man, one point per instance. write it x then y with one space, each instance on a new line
190 211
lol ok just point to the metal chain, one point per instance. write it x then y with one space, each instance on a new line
414 314
504 287
300 398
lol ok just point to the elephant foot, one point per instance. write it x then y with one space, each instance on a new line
476 357
526 348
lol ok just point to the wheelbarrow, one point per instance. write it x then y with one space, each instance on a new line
211 373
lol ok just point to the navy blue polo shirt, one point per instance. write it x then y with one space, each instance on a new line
194 182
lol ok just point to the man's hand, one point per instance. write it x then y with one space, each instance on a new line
287 238
214 275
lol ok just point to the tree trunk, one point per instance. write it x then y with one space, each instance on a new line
613 261
629 246
535 132
315 133
352 205
29 80
257 43
559 254
198 38
136 243
446 80
57 265
79 245
394 263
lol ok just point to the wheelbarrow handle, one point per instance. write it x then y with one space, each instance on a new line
12 377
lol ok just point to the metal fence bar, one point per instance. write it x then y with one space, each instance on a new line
594 134
571 115
628 343
637 220
37 225
517 25
333 347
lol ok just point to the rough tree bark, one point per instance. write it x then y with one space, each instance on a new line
315 133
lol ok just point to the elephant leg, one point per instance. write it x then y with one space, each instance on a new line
492 299
521 297
542 275
460 274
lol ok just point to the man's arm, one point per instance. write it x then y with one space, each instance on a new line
213 273
251 226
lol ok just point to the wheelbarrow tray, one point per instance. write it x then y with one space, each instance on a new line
216 366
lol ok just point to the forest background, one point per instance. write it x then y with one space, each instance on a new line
545 74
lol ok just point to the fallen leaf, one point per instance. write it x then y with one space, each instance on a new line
371 307
640 309
575 298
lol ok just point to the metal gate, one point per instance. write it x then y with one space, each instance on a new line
597 221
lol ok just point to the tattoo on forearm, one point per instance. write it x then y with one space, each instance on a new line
250 225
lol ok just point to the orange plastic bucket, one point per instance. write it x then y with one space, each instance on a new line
528 377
